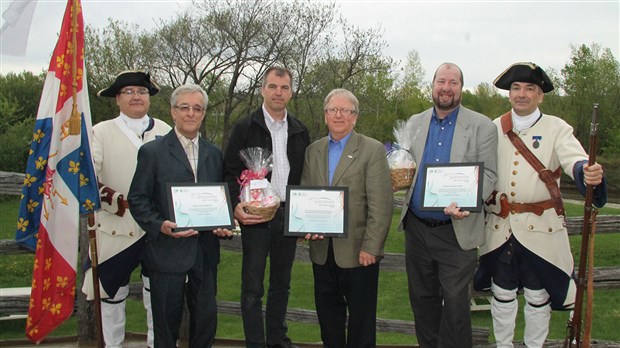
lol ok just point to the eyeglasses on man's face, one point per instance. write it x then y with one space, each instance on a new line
132 92
343 112
187 108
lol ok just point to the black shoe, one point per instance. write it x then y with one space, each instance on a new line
285 343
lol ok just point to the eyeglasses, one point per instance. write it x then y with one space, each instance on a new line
343 112
132 92
187 108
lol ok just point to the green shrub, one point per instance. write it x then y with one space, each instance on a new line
15 146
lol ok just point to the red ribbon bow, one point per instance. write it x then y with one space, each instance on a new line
247 175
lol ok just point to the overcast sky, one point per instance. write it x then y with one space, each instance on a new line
482 37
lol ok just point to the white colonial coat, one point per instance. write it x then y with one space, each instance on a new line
544 235
115 153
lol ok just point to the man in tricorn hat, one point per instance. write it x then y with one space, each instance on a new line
120 241
526 239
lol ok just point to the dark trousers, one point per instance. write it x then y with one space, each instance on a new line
167 293
439 273
258 244
337 290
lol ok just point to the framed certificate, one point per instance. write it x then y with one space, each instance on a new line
452 182
200 206
316 210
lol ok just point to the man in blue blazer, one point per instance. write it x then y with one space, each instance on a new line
176 256
440 246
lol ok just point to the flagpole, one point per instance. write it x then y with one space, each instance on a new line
94 260
74 129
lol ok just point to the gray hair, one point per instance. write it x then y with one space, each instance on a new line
345 93
188 89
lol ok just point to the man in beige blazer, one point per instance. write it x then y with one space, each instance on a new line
440 247
346 270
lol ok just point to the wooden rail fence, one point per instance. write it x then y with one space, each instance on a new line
16 301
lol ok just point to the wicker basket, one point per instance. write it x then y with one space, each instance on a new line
267 212
402 177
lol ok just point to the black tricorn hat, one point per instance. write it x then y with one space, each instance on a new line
524 72
130 78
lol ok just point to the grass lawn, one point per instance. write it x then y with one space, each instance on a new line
393 302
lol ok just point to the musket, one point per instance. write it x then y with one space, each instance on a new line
94 261
586 256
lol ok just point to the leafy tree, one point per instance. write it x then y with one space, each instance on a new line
486 100
15 146
409 95
19 98
593 76
226 46
118 47
413 70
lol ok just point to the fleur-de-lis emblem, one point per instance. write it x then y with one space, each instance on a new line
55 309
45 304
48 263
40 163
66 69
63 90
41 189
22 224
38 135
29 179
83 180
69 49
36 266
74 167
31 206
88 204
34 330
30 306
47 283
62 282
60 61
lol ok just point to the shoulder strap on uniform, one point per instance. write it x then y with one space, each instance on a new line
546 175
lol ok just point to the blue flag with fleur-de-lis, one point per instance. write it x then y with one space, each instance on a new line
60 182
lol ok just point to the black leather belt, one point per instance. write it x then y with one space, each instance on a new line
432 222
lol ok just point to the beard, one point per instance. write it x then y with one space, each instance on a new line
448 104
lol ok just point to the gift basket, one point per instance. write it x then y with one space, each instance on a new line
400 160
255 188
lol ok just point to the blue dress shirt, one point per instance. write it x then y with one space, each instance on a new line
334 151
436 150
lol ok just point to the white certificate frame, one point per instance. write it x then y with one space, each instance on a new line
200 206
445 183
319 210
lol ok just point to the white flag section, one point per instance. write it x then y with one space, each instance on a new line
16 27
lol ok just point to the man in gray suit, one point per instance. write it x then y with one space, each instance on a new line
346 270
440 247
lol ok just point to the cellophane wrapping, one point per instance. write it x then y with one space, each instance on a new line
400 160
